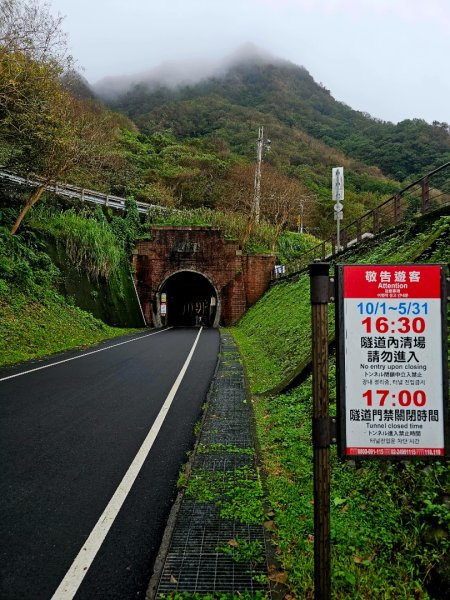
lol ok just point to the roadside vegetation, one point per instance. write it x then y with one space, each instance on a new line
37 317
390 523
262 238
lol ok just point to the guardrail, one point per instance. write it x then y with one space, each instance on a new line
420 197
78 193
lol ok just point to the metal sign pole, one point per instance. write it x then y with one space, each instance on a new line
257 186
320 283
338 233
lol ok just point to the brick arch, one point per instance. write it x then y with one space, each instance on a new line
238 279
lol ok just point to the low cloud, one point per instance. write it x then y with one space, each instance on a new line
176 73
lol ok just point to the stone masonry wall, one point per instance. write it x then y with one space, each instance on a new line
239 280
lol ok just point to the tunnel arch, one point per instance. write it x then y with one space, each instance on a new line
187 298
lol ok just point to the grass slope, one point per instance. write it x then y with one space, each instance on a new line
36 319
390 522
33 328
275 334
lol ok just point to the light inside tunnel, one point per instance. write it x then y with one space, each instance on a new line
190 300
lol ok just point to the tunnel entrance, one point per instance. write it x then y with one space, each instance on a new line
190 299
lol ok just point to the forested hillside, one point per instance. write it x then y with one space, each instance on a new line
287 97
194 146
206 134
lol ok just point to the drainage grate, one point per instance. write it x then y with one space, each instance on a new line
195 562
224 462
207 573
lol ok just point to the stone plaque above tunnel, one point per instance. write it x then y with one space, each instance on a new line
187 276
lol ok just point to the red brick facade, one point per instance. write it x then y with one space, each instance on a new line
188 275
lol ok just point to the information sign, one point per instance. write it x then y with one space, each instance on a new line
337 183
163 309
392 361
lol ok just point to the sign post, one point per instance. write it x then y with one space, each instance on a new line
322 428
392 361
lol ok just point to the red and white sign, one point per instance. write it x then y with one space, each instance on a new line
392 349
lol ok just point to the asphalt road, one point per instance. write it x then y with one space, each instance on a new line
68 434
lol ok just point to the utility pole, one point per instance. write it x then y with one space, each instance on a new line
257 187
304 199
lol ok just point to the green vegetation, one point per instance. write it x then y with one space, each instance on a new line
228 448
193 149
310 133
243 551
267 328
39 290
205 156
90 245
214 596
389 527
238 493
298 113
34 327
261 239
390 522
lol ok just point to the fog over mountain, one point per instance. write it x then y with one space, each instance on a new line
184 72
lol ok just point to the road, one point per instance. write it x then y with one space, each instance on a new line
74 437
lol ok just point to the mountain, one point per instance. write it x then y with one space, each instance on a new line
254 86
198 126
180 73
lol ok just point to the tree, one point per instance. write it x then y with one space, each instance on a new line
283 200
50 132
69 134
33 51
27 27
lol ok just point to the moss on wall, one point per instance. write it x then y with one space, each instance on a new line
113 301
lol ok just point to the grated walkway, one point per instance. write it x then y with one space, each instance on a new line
200 557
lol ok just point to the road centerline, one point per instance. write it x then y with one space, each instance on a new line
80 566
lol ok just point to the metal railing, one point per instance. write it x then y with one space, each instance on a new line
78 193
422 196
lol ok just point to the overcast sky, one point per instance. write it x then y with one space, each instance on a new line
389 58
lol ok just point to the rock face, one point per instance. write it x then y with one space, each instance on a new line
192 275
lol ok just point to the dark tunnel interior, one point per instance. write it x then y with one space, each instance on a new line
190 300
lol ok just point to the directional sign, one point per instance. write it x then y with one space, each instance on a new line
393 385
338 183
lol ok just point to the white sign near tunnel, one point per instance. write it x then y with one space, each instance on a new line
337 176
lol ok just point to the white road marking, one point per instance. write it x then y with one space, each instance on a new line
80 566
60 362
